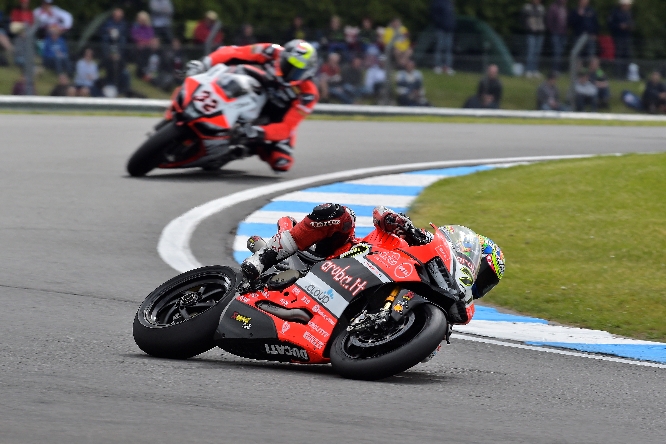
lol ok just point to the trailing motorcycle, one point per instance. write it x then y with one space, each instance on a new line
202 127
373 312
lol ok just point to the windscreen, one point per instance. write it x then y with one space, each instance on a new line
466 244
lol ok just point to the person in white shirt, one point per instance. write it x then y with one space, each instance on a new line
48 15
86 74
375 76
161 14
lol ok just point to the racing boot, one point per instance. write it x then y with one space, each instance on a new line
277 248
399 225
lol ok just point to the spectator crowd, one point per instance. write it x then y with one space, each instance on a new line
360 62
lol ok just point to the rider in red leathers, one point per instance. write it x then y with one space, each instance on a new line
286 73
329 231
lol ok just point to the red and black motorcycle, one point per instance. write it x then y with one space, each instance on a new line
200 129
375 311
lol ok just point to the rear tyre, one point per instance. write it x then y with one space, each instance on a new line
151 153
179 318
380 355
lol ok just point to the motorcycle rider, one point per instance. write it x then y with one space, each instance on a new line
329 229
286 74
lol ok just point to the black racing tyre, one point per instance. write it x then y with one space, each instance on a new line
407 344
151 153
179 318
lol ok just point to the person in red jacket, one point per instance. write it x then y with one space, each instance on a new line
286 73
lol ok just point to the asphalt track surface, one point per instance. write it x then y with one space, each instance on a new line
78 242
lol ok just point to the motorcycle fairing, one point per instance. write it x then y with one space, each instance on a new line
242 321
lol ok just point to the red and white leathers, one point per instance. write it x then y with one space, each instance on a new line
286 108
329 231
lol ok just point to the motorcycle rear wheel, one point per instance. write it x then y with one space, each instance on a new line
151 153
356 357
179 318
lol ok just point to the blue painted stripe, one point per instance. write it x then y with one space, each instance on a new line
456 171
363 231
252 228
491 314
353 188
656 353
306 207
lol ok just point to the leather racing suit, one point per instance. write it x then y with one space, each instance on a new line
287 105
329 231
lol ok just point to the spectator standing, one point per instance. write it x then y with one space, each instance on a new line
367 36
534 15
330 76
22 13
175 62
548 94
63 88
600 81
296 31
585 93
161 14
621 25
204 28
443 15
55 54
398 35
47 16
583 20
142 31
246 36
556 22
114 33
375 76
489 91
86 74
334 40
409 86
654 96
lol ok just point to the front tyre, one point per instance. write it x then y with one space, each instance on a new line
151 154
378 355
179 318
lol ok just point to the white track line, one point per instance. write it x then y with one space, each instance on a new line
174 243
558 351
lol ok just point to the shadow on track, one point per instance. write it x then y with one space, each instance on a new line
410 377
207 176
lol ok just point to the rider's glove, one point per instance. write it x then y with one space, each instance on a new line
195 67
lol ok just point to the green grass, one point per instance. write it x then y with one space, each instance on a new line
584 240
518 93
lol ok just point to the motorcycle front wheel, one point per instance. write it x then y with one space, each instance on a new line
379 354
151 154
179 318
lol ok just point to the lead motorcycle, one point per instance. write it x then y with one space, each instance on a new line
373 312
201 128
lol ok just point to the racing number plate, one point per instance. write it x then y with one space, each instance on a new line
207 101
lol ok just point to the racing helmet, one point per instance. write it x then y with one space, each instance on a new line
491 268
298 61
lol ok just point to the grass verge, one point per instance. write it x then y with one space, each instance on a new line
583 239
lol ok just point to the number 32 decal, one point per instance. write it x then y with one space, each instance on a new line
205 102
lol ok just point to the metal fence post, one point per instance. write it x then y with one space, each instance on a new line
208 44
573 64
388 53
29 68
